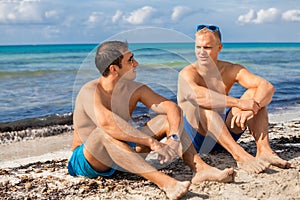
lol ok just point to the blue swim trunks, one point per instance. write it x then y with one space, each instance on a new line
79 166
206 144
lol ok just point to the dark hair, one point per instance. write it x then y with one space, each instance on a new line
110 53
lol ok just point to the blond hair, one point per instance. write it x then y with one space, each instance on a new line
203 31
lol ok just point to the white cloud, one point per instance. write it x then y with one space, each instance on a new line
139 16
52 14
25 12
96 18
117 16
269 15
260 17
247 18
20 12
291 15
179 11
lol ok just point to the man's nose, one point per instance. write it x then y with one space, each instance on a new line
203 51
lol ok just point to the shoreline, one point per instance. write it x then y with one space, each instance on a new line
55 124
27 174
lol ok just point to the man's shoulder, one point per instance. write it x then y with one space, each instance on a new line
229 65
132 84
187 70
90 85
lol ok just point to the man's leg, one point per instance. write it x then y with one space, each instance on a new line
258 127
213 125
158 127
202 171
101 151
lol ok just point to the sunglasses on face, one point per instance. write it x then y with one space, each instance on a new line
211 28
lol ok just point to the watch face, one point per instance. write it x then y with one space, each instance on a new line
175 137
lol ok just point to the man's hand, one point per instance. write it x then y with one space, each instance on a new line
249 104
165 152
173 145
240 118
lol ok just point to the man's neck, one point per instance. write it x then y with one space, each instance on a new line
107 84
208 68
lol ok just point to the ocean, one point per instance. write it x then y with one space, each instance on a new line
43 80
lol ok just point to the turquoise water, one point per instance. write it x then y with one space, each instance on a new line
41 80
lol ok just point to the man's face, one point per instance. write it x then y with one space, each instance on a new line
207 45
129 64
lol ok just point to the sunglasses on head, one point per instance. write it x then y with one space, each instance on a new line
211 28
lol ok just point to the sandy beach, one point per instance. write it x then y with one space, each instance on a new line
36 168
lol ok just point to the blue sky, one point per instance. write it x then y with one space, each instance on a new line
92 21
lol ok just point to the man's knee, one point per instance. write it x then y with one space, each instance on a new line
159 124
98 139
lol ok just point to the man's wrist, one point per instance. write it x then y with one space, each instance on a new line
151 142
258 104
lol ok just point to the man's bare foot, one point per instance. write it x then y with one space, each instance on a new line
255 165
177 191
214 174
275 160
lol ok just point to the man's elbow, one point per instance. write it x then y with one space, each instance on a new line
271 88
268 87
176 107
105 125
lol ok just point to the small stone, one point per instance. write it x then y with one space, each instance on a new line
37 170
5 183
81 191
28 186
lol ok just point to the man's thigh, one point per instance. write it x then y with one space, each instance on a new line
156 127
95 151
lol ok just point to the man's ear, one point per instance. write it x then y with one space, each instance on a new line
220 47
114 69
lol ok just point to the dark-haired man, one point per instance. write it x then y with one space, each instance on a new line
105 140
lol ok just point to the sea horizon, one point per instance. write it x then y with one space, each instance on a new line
94 43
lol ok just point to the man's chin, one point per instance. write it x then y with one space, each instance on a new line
129 78
203 61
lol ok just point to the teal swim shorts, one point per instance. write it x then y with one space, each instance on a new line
79 166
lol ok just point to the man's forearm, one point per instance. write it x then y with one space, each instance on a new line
264 93
210 99
119 129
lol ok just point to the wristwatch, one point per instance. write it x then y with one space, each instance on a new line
174 137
